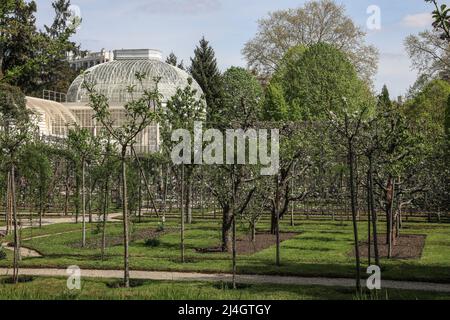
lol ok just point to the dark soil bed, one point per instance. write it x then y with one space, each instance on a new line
21 279
246 246
406 247
112 241
134 283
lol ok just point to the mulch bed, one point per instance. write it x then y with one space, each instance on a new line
118 240
246 246
407 247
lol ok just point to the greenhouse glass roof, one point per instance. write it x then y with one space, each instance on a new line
113 78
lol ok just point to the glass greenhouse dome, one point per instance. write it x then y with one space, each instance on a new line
112 79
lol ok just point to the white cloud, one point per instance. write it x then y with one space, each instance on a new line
419 20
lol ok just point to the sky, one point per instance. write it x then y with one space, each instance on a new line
177 25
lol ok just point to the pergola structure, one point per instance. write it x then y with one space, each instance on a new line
112 79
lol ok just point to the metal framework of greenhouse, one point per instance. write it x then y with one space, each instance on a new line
57 112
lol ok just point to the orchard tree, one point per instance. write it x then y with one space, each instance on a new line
182 111
15 131
103 174
242 100
35 166
348 123
85 148
140 112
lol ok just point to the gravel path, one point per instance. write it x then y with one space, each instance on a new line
46 221
24 252
29 253
248 279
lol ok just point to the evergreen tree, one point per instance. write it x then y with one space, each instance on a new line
172 59
384 99
205 71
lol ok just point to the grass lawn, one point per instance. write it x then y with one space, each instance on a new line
322 248
92 289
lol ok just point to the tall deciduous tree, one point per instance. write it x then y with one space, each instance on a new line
30 58
18 43
312 82
56 73
429 53
315 22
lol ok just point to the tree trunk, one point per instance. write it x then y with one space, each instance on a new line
374 214
189 198
77 197
226 226
182 214
16 228
369 236
83 204
388 209
66 191
253 231
105 216
166 182
126 276
277 220
202 209
90 199
140 200
390 232
293 203
351 155
273 222
234 251
8 204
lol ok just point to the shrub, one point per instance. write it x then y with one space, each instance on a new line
98 228
152 242
160 227
2 254
21 279
119 283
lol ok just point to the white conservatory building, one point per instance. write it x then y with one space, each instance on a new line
111 79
